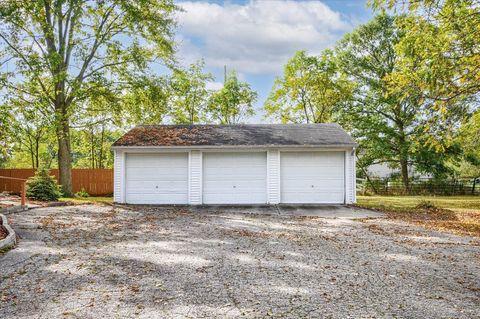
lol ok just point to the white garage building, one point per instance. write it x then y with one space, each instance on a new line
235 164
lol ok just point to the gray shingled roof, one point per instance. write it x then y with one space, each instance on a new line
255 135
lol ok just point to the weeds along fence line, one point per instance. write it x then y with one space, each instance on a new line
94 181
420 186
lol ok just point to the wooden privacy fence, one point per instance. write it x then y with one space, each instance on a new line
95 181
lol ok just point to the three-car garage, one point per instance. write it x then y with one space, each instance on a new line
283 168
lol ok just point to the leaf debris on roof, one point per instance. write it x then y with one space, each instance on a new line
258 135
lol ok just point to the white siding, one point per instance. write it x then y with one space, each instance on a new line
349 177
273 176
354 176
118 176
195 180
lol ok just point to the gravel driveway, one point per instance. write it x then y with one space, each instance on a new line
99 262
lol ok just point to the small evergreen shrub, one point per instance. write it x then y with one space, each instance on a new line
82 193
43 187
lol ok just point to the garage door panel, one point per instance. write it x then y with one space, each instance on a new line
249 198
156 173
320 197
312 172
217 191
234 178
253 185
312 177
237 172
146 198
157 178
313 185
156 186
241 158
157 160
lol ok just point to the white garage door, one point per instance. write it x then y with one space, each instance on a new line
235 178
312 177
157 178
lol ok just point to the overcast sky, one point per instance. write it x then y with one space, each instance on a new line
256 38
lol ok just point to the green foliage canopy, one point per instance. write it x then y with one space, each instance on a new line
233 103
391 126
189 94
310 91
440 52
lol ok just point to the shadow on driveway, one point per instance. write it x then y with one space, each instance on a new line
143 262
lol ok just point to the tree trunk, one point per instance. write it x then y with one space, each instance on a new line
102 137
403 156
404 171
32 159
64 154
37 151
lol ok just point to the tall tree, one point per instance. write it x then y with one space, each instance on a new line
73 49
310 90
391 127
233 103
189 94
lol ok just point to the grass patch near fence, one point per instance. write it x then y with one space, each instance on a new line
459 214
87 200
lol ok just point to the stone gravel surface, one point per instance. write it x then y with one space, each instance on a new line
140 262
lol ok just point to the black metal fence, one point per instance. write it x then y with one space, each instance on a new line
422 186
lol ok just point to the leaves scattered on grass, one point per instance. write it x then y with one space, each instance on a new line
427 214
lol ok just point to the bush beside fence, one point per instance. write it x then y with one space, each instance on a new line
94 181
423 186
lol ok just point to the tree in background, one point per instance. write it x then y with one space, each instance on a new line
75 49
310 91
91 147
233 103
31 132
469 138
146 102
391 127
95 130
32 128
189 94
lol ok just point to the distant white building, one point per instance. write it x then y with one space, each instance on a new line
383 171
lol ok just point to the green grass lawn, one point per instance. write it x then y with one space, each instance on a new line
408 202
460 214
